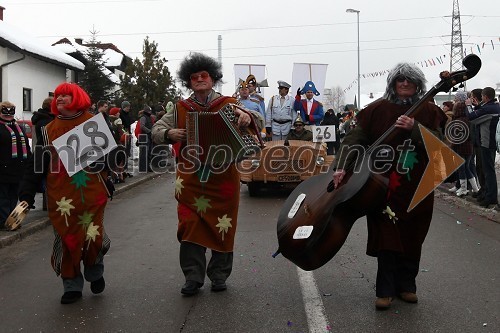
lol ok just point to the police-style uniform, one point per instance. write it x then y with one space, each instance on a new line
280 114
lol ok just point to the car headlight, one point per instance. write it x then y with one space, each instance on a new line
255 164
320 160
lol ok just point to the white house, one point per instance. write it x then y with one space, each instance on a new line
30 70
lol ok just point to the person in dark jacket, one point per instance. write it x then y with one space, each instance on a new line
14 153
463 147
331 119
127 122
486 118
41 118
144 140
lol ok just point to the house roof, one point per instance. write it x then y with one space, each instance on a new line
20 41
113 56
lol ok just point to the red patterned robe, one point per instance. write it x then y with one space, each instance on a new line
207 210
76 207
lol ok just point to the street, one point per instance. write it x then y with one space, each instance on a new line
457 285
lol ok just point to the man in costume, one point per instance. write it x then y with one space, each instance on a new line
280 113
310 109
252 86
395 236
75 204
299 132
207 201
248 102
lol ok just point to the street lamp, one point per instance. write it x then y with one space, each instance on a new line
350 10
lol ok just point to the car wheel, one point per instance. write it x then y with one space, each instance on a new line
253 189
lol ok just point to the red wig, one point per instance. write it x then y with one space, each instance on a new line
81 100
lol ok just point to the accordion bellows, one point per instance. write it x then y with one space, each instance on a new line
215 137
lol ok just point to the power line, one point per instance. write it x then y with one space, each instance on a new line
74 2
255 28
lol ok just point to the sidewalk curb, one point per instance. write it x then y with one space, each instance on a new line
469 203
42 223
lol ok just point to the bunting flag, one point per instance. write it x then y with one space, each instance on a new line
434 61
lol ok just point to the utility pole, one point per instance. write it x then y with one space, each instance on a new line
457 48
219 50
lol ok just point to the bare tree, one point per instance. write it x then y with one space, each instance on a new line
334 98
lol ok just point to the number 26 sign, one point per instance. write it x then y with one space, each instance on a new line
325 133
84 144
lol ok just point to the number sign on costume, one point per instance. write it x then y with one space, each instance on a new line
84 144
325 133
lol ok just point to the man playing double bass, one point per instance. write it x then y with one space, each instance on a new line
395 236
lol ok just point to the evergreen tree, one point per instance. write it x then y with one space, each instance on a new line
96 77
148 81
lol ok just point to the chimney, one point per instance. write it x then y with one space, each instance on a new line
1 12
79 41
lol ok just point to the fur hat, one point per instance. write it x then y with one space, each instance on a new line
114 111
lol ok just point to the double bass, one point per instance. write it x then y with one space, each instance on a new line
316 218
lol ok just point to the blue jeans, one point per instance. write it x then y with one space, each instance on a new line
490 177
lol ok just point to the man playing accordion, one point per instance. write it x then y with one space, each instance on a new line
207 201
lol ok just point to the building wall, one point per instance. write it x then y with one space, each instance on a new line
39 76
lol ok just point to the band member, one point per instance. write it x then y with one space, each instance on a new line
395 236
280 113
75 204
310 109
249 102
252 86
208 210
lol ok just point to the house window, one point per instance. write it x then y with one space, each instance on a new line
27 93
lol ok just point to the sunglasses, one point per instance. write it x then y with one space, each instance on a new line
402 78
284 88
9 111
204 75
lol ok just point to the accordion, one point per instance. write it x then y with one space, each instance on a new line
217 139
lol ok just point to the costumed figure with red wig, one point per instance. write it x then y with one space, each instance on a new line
310 109
75 203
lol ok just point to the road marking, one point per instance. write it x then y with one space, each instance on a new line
313 304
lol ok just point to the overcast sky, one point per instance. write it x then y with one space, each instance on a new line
279 33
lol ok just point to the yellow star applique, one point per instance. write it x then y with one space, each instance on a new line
202 204
224 224
178 186
92 233
65 207
390 213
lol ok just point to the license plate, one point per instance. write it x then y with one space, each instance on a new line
289 178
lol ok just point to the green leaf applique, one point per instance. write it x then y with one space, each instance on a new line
80 180
202 204
408 159
85 219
